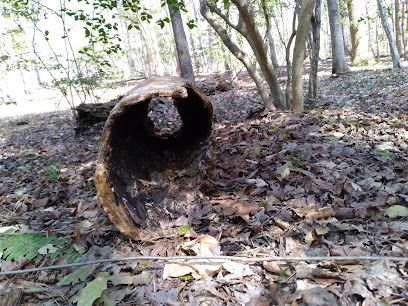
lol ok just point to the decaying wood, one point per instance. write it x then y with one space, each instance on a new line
143 177
90 113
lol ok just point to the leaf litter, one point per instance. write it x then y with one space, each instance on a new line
329 182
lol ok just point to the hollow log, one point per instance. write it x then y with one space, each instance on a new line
147 181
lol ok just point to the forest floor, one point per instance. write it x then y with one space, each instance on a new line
329 182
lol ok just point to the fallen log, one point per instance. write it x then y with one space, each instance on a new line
148 181
88 114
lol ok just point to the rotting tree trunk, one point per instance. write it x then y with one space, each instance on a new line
148 182
89 114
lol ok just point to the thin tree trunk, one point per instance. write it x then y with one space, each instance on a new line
242 56
271 40
339 64
404 43
249 30
314 58
183 53
396 61
398 26
361 53
298 53
287 55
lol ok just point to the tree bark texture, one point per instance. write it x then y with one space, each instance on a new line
397 22
239 54
396 61
298 53
339 64
90 114
403 16
361 52
287 55
314 58
250 31
183 52
147 181
271 40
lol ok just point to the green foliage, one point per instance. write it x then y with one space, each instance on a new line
281 275
78 275
35 246
93 290
50 171
182 230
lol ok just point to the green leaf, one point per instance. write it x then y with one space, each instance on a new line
256 151
93 289
396 211
186 277
46 32
190 171
78 275
283 168
182 230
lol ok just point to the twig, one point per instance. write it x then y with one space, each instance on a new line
212 258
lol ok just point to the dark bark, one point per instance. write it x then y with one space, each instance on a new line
314 57
90 114
148 181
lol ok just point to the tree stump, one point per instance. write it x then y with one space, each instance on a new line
148 181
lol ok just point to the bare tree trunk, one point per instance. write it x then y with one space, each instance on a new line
314 58
298 53
287 53
361 52
248 28
404 43
271 40
396 61
398 26
339 64
183 53
242 56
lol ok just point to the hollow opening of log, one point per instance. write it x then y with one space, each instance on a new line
164 115
140 158
138 148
